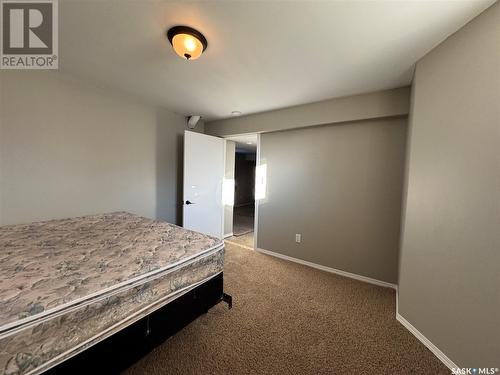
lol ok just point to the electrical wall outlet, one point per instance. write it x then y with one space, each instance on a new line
298 238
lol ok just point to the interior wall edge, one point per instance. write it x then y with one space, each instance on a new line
450 211
424 340
342 123
375 105
406 171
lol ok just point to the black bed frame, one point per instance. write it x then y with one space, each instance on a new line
121 350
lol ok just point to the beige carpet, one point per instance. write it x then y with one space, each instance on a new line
292 319
246 240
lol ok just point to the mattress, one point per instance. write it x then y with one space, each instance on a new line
67 284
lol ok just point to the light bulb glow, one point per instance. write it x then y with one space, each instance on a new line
187 42
187 46
190 44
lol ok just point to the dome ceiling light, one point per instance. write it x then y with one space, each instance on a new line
187 42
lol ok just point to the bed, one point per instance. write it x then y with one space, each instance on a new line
67 284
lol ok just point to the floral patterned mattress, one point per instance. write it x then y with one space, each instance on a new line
67 284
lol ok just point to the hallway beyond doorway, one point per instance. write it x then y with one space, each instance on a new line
243 219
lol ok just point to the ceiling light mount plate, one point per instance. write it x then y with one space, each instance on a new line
187 42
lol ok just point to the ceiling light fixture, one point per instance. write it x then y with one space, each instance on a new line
187 42
236 113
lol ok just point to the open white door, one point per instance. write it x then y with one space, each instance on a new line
203 210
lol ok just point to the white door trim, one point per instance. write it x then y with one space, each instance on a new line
256 202
223 226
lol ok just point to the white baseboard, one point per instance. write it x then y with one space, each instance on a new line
228 235
424 340
331 270
397 300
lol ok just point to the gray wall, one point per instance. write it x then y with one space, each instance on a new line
450 260
68 148
1 137
340 186
229 174
380 104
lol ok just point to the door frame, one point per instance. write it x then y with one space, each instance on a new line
223 235
256 202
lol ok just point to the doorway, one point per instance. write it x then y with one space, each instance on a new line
242 215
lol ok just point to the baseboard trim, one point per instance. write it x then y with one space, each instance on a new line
329 269
228 235
415 332
424 340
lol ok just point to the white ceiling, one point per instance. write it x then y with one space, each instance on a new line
261 55
245 142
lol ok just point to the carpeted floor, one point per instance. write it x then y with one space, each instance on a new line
246 240
292 319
